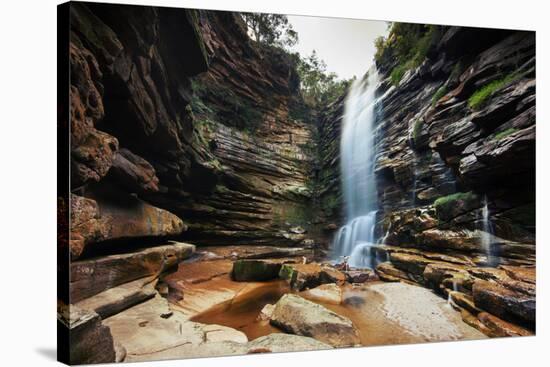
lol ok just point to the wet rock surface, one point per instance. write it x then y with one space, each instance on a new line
507 293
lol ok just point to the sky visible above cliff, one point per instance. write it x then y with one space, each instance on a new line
346 45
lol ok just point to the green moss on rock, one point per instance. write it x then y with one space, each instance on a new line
438 94
255 270
450 206
287 272
417 128
480 97
505 133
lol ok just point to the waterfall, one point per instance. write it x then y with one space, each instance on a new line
487 234
357 156
415 180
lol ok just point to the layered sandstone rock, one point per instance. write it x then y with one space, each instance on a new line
455 173
92 276
90 340
119 217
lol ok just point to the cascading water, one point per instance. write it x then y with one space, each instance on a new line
492 259
357 155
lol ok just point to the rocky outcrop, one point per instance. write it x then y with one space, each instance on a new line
120 218
90 277
303 276
327 172
180 127
300 316
191 116
475 137
490 299
455 154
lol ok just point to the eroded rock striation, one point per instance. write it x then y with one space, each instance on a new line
455 155
183 129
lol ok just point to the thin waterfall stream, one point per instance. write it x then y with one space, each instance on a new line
357 156
487 234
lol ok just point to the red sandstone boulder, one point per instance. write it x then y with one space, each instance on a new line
299 316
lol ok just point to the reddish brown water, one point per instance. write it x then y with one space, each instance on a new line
242 312
360 305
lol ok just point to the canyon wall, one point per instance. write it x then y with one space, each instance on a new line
179 127
455 169
183 128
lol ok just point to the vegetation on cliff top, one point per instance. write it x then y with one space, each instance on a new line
405 47
270 29
317 86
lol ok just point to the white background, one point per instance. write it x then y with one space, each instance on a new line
28 174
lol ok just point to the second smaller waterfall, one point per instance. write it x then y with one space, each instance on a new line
487 235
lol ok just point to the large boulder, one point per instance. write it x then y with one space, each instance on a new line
297 315
256 270
387 272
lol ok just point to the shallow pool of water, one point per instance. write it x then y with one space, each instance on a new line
360 304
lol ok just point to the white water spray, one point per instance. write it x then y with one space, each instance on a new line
357 156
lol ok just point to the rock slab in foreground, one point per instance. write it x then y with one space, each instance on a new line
278 342
90 277
297 315
117 299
